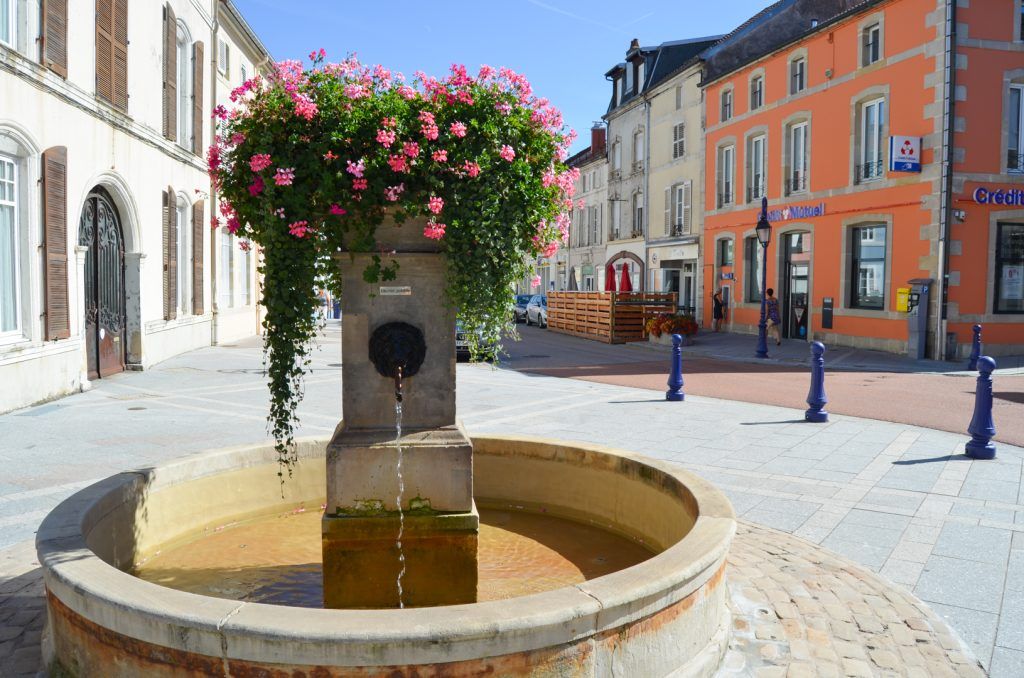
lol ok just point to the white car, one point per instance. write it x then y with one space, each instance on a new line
537 311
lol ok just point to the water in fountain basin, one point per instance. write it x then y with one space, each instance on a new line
401 491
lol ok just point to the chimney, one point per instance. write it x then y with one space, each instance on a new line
597 140
634 45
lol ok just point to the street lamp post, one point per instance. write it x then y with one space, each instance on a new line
764 236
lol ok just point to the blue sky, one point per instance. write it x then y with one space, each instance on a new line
563 46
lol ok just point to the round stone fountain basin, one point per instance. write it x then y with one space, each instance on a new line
665 615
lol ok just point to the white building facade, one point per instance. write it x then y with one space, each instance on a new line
105 245
586 249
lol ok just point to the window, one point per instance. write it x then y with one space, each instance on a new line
756 93
629 78
753 266
184 90
223 57
616 221
679 97
595 225
871 45
798 158
797 75
727 105
1020 22
583 182
10 313
726 175
725 252
616 156
638 151
1009 269
1015 123
227 270
618 91
867 270
246 275
640 77
679 140
871 141
244 73
7 19
680 208
638 215
184 258
756 168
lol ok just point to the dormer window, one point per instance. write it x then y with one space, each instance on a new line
629 79
618 91
640 76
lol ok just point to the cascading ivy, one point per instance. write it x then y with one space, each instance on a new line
312 159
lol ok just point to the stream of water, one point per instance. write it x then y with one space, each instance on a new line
401 492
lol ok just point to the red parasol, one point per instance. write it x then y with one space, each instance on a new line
625 285
609 278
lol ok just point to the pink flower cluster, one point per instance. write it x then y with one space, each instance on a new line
359 184
507 153
338 211
391 193
257 186
356 169
411 149
471 168
440 155
298 228
435 204
458 129
304 107
259 162
434 231
398 163
386 137
284 176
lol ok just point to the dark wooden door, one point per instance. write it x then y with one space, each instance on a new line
100 231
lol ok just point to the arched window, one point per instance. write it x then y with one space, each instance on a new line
184 238
10 247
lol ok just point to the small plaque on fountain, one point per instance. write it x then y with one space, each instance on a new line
396 291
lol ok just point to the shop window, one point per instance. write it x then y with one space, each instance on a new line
756 168
727 105
10 236
726 175
1015 128
871 141
867 267
725 252
797 75
799 159
871 44
679 140
753 265
1009 268
756 93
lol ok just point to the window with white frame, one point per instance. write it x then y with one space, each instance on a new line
726 175
8 18
640 77
799 160
679 97
1015 125
629 78
616 156
867 266
618 91
583 182
245 275
726 105
616 225
223 57
679 140
756 92
184 258
872 140
680 213
756 167
244 72
10 312
227 270
184 88
871 44
638 214
638 150
797 75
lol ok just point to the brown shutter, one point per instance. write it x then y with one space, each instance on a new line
105 49
170 255
197 98
119 66
55 229
55 36
197 257
170 74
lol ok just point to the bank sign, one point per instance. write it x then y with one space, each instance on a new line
1014 197
796 212
904 154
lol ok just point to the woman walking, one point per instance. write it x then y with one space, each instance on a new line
719 309
772 313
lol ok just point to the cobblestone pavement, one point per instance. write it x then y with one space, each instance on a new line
898 500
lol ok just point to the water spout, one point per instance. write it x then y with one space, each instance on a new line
398 384
401 484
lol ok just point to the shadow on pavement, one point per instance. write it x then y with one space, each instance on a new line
931 460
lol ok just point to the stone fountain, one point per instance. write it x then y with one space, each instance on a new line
665 615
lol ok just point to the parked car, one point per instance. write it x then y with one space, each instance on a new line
462 341
520 308
537 311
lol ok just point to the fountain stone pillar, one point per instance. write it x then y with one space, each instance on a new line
360 528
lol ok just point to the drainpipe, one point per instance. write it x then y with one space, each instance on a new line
946 199
647 186
214 310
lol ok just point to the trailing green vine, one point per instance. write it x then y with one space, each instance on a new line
311 160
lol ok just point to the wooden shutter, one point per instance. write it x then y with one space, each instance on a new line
197 258
105 49
197 98
55 230
54 53
170 255
119 65
170 74
668 211
687 195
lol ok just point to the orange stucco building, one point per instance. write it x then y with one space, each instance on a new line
888 154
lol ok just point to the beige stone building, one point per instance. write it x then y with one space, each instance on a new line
586 250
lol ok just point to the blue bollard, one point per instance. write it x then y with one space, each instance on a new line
982 427
675 377
816 396
972 364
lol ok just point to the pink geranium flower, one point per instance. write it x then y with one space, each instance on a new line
429 131
359 184
535 281
391 193
458 129
434 231
411 149
507 153
355 168
256 187
472 169
285 176
550 249
436 204
330 155
397 163
338 211
386 137
440 155
259 162
298 228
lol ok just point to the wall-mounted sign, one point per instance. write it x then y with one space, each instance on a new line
396 291
728 276
1011 197
796 212
1012 285
904 154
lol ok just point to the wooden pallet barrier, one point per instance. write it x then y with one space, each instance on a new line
611 317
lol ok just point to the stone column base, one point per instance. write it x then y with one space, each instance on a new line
362 563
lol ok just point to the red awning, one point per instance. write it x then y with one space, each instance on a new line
609 278
625 285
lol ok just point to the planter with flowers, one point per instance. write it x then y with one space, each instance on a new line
661 327
313 159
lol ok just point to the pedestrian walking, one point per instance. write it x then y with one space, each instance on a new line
719 309
772 313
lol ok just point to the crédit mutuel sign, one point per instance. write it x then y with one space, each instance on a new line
1011 197
796 212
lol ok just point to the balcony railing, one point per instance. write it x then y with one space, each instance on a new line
725 197
637 232
755 193
797 183
1015 161
869 171
678 230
